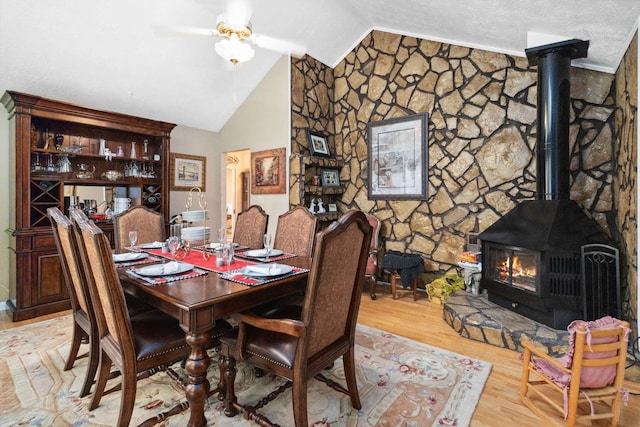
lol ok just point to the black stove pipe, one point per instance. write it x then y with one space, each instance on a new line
553 111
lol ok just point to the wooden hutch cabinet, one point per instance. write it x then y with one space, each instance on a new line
62 151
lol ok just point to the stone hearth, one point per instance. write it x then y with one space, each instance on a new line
474 317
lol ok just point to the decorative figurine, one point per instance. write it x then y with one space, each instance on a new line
312 206
321 208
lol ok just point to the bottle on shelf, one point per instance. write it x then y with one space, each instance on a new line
133 150
145 154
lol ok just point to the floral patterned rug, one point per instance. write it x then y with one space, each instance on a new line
401 383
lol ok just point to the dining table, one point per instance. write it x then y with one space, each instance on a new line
197 303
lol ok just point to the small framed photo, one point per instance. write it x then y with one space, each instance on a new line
333 207
318 144
330 177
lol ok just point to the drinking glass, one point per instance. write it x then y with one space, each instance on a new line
227 254
267 245
173 243
221 235
133 238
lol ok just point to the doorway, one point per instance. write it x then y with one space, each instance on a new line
237 195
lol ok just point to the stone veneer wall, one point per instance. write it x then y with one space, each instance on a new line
482 113
625 180
311 103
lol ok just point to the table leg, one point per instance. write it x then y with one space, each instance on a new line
197 389
230 399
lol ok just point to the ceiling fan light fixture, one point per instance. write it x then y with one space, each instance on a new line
233 50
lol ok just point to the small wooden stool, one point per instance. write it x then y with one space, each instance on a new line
395 278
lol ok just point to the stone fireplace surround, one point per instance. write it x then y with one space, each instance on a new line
475 317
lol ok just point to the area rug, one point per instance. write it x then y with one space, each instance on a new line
401 383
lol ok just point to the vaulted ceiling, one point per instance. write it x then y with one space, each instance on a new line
106 54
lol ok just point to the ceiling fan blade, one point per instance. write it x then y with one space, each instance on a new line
185 31
278 45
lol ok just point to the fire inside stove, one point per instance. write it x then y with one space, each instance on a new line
514 268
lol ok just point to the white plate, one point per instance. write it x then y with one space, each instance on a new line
194 215
195 233
150 245
167 269
267 270
128 256
261 253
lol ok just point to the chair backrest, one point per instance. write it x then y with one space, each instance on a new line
106 291
72 268
375 224
597 352
296 232
251 226
148 223
336 277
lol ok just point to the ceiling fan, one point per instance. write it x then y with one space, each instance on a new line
235 38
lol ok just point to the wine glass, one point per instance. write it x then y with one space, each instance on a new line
221 235
227 254
173 243
267 245
133 238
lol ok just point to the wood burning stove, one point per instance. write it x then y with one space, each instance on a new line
531 256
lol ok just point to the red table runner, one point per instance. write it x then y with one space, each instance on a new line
196 258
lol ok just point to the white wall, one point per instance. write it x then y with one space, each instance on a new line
262 122
197 142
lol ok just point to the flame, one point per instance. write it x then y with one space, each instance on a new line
517 269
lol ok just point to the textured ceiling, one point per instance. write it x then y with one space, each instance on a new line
105 53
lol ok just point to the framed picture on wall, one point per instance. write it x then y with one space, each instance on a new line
187 172
268 170
330 177
318 145
397 158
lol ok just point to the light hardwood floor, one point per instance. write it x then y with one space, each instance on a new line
422 321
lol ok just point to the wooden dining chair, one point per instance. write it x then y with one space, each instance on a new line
296 232
84 323
297 343
148 223
371 273
584 384
133 344
251 226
